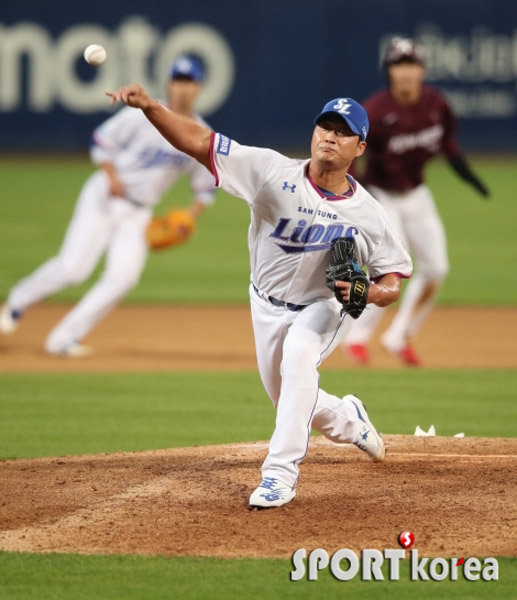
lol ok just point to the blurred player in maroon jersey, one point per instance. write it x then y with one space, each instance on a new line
409 123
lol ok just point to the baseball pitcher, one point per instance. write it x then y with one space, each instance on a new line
300 209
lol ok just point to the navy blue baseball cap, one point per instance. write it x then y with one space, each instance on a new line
188 66
354 115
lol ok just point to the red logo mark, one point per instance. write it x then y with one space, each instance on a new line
406 539
461 561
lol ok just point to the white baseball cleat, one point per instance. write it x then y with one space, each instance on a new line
368 439
271 493
74 350
9 319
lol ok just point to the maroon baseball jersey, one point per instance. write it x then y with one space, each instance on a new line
403 138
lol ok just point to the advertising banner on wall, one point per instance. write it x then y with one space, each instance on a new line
271 64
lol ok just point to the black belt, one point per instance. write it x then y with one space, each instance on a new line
277 302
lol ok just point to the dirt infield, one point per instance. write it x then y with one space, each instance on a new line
458 496
165 338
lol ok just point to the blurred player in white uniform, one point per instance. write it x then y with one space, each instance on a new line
137 165
298 207
410 123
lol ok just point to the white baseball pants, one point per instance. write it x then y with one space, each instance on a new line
290 346
415 219
100 224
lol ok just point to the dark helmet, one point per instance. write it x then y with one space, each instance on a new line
403 49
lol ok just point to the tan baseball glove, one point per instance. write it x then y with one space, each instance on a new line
172 229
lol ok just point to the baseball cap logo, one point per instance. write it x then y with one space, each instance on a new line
404 46
350 111
184 64
342 106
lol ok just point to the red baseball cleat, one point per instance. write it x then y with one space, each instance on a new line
358 353
409 356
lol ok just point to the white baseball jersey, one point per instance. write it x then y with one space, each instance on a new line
145 162
293 222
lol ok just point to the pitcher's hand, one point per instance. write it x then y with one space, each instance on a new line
132 95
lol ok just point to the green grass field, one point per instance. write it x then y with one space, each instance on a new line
72 413
56 414
63 577
39 196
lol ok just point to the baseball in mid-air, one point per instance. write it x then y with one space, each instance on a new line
94 54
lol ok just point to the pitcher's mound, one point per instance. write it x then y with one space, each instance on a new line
456 495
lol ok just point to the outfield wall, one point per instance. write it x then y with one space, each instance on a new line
271 63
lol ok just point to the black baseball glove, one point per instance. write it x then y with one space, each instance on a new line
343 267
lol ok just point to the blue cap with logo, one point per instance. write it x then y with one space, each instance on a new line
188 66
354 115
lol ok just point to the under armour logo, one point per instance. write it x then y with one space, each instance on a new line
286 186
342 106
365 435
